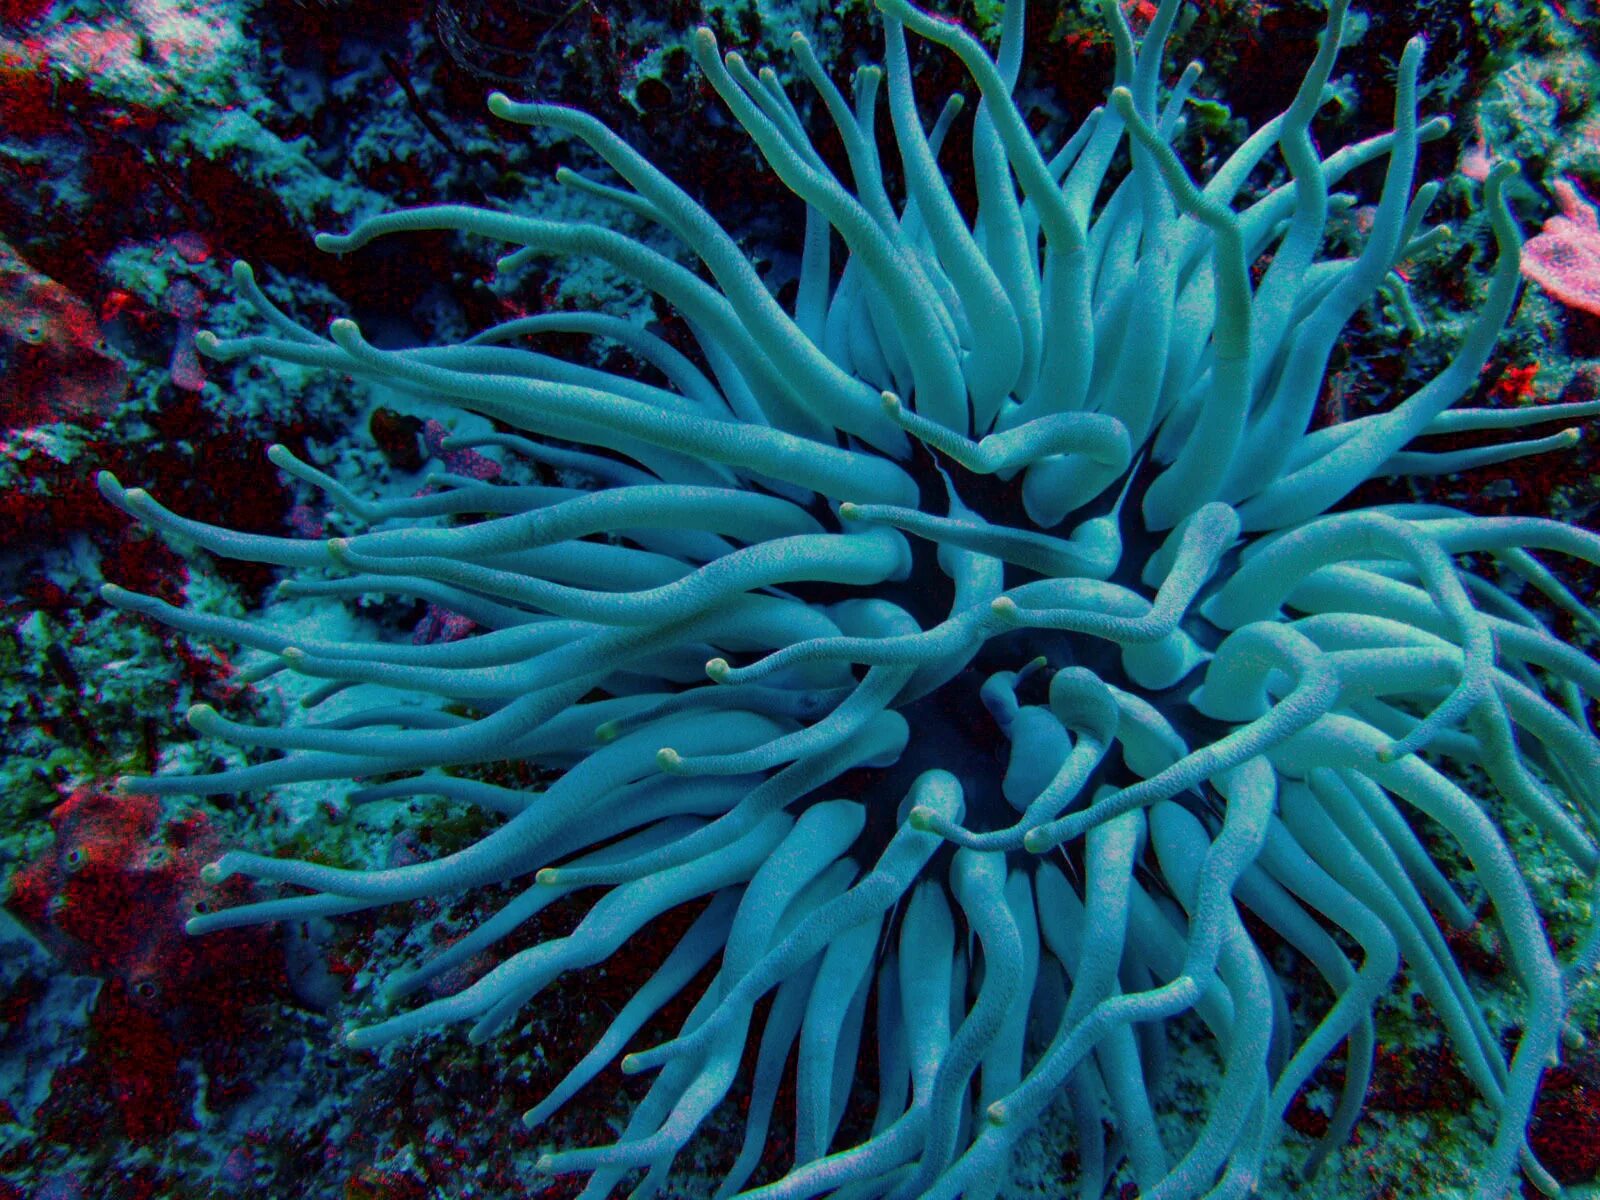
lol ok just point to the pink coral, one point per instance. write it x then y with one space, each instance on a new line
53 363
457 460
1564 258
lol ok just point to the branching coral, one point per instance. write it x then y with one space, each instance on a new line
1037 656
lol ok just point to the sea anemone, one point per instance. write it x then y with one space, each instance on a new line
1038 658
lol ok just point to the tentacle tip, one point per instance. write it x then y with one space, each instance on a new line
194 926
292 655
669 760
891 403
997 1113
1502 170
113 594
631 1065
849 511
213 872
548 876
207 343
1391 751
717 670
607 731
1037 841
1006 609
331 243
343 329
922 818
202 717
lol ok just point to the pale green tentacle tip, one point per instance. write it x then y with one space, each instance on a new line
607 731
669 760
922 818
1390 752
548 876
1500 172
1037 841
631 1065
203 718
1434 128
112 594
280 455
207 343
213 872
891 403
849 511
1006 609
111 488
338 243
339 551
997 1113
717 670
